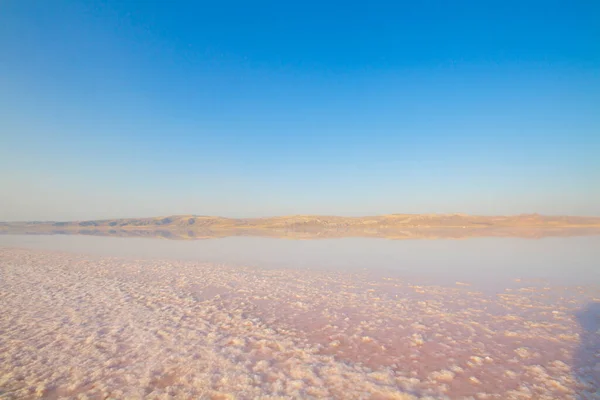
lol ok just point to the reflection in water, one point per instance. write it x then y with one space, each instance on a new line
321 233
351 318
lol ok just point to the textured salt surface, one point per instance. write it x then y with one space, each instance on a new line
96 327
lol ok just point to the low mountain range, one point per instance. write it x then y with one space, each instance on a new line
393 226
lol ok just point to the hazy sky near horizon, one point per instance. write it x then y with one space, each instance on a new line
141 108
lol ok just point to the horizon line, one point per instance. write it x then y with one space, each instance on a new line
460 214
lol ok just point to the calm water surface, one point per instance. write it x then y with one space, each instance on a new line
487 262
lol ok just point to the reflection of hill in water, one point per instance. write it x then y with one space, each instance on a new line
414 234
394 226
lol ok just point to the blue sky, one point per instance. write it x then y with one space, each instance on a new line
116 108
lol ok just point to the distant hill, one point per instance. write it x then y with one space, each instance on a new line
393 226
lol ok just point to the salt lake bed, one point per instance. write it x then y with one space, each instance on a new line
111 322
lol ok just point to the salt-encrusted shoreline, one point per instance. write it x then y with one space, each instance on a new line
101 327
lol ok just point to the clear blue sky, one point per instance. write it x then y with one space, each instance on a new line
141 108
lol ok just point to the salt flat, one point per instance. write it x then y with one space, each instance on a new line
90 326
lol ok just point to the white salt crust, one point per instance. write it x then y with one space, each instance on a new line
86 327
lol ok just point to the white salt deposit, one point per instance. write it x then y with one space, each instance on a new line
74 326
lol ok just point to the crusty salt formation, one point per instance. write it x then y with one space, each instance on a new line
77 326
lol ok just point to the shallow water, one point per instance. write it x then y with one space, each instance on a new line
486 262
269 318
